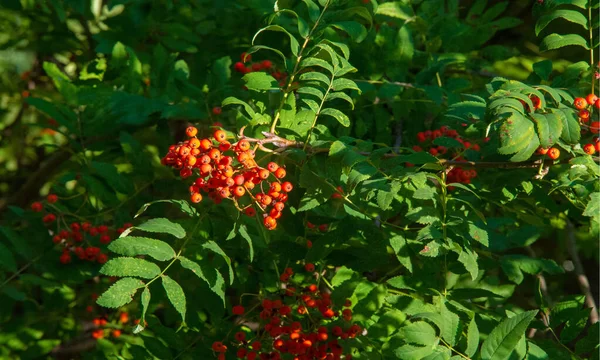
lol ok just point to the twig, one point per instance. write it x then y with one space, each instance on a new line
582 279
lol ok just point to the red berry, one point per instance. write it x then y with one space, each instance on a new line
52 198
280 173
309 267
245 57
37 206
584 115
266 64
101 258
323 227
287 186
238 310
49 218
595 126
116 333
217 110
65 258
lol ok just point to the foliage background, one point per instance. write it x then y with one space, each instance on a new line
123 79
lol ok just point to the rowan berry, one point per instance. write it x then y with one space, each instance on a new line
116 333
124 318
580 103
323 227
195 145
553 153
37 206
584 115
241 353
542 151
256 345
239 66
243 145
589 149
312 288
48 218
191 131
218 346
52 198
238 310
250 211
217 110
104 239
266 64
220 135
280 173
597 104
65 258
245 57
224 146
98 334
595 127
591 99
309 244
101 258
251 355
272 167
309 267
287 186
347 303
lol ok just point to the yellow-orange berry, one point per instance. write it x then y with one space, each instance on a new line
191 131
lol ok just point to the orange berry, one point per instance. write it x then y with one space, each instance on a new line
243 145
280 173
190 160
272 167
595 127
191 131
580 103
553 153
270 223
116 333
205 144
591 99
542 151
589 149
263 174
220 135
239 191
196 198
584 115
224 193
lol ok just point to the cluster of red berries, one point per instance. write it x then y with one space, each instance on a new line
265 65
101 330
591 101
229 171
457 174
78 237
303 324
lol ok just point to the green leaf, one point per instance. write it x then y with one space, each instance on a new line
256 48
183 205
312 62
420 333
340 95
315 76
215 282
63 115
355 30
450 323
126 266
235 101
260 81
569 15
62 82
214 247
338 115
293 42
472 338
556 41
145 302
479 235
504 337
18 243
244 232
120 293
468 258
344 84
7 260
535 352
111 175
162 225
396 10
134 246
593 206
175 295
515 134
313 9
410 352
549 128
400 247
571 131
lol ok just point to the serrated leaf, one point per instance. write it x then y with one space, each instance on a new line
419 333
294 46
338 115
244 232
571 131
504 337
120 293
259 80
468 258
396 10
593 206
134 246
549 128
450 324
175 294
184 206
344 84
557 41
214 247
316 62
164 226
127 266
399 245
256 48
340 95
515 134
315 76
354 29
307 90
472 338
411 352
569 15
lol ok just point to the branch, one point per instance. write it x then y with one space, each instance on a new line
582 279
